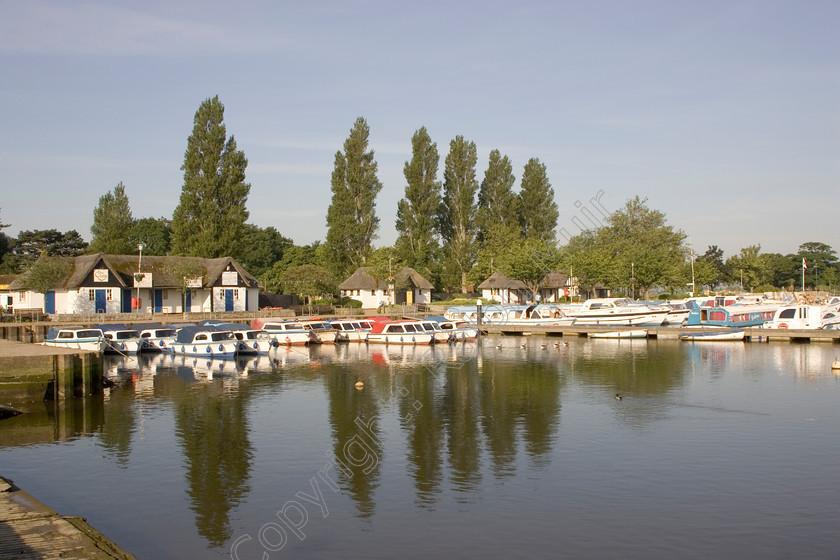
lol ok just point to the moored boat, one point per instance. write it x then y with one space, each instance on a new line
350 330
805 317
322 331
81 338
205 340
121 339
398 332
616 311
287 333
713 335
157 337
731 316
637 333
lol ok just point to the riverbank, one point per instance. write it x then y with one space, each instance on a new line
29 529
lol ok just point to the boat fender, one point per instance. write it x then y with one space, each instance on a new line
288 340
221 348
274 342
783 325
195 350
255 346
209 350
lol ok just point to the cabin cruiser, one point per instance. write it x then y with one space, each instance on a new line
805 317
616 311
205 340
351 330
322 331
737 315
121 339
399 332
81 338
287 333
459 331
157 338
433 328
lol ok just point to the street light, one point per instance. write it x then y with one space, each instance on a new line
138 278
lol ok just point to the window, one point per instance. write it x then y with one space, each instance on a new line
788 313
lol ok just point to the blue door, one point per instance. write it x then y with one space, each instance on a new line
49 303
126 301
228 300
188 302
158 301
99 300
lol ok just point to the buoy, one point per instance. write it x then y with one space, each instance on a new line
359 385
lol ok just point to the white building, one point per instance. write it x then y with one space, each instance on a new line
553 287
109 284
407 287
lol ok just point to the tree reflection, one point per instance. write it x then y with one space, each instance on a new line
354 417
213 430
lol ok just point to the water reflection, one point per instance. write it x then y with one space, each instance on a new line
466 414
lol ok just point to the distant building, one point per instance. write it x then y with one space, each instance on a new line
108 284
502 289
407 287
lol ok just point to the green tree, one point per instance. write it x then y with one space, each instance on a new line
153 233
112 224
210 217
308 281
712 267
749 268
265 247
5 242
456 217
537 209
783 270
47 273
534 259
351 218
819 257
31 244
293 256
416 212
497 203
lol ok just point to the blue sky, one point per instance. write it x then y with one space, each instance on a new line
724 115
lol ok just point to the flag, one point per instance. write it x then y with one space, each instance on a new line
803 264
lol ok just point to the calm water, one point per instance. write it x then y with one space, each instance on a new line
722 450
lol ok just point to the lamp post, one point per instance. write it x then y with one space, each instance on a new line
140 247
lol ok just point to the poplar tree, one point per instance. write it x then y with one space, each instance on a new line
537 210
351 218
458 208
417 211
113 224
210 218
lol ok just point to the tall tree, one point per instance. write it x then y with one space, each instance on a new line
537 210
265 247
416 212
211 213
351 218
112 224
5 242
458 207
497 203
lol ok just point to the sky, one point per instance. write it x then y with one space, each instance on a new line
724 115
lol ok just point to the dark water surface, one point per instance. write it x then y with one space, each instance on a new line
716 450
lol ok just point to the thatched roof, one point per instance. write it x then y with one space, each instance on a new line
123 267
500 281
554 280
362 279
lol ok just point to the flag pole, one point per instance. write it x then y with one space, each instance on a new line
804 266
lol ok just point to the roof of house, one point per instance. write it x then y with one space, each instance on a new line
362 279
500 281
164 270
554 280
6 280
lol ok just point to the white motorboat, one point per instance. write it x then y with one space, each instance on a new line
616 311
399 332
81 338
350 330
205 340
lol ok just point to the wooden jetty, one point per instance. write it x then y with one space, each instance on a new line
29 530
750 334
